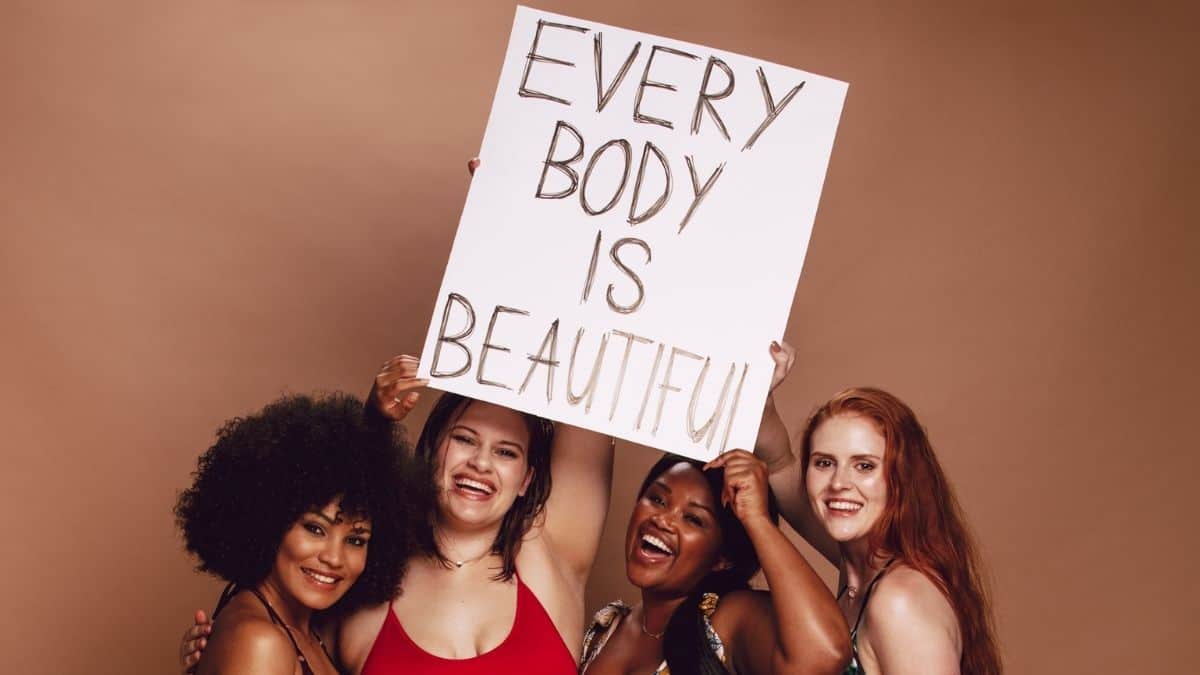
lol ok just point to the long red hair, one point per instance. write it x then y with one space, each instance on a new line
922 524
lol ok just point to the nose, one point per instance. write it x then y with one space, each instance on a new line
664 520
841 478
481 459
331 554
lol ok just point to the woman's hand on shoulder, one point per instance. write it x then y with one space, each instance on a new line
396 388
911 626
194 640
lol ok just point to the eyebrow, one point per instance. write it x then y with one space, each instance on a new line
858 456
337 517
460 425
660 483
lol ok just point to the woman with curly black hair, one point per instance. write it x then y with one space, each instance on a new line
302 508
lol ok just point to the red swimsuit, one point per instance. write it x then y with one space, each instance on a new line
533 647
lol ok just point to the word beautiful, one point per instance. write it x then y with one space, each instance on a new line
666 358
708 92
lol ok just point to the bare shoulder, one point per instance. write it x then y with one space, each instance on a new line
357 632
242 642
908 596
744 610
910 626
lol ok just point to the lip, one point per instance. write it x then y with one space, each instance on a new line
842 508
321 579
640 554
457 487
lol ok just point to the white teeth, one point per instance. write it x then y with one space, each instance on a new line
467 482
838 505
657 543
320 577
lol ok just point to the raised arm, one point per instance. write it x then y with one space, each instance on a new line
773 446
581 470
802 630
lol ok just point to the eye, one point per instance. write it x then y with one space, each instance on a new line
463 438
865 466
695 520
655 498
357 540
822 462
314 528
508 452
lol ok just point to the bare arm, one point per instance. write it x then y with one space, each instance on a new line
581 469
774 447
252 647
911 627
808 634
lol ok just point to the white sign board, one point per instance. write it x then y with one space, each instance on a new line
631 244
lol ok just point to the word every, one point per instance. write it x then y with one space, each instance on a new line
704 97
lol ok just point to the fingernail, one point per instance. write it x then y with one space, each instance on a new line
775 346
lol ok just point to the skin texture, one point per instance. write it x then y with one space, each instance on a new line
245 640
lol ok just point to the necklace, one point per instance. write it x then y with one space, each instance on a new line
642 625
459 564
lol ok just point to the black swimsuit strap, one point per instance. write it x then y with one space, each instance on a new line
867 596
233 589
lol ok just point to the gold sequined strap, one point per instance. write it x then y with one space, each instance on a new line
708 604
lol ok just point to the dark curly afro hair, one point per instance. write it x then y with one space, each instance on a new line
301 453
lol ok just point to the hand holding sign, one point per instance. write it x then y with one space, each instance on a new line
637 236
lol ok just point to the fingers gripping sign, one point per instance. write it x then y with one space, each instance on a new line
396 388
784 356
746 490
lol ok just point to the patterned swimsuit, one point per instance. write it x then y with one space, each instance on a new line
605 623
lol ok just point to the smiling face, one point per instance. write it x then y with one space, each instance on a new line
483 465
674 538
321 556
846 485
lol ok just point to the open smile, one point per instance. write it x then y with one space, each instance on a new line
321 579
473 488
653 548
842 508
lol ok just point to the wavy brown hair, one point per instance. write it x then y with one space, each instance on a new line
922 524
528 507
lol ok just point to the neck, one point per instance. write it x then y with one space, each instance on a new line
290 610
657 610
462 546
859 563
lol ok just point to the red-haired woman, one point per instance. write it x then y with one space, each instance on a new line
868 493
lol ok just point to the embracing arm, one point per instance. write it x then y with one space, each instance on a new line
581 469
802 631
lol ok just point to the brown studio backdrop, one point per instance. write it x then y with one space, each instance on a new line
205 204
